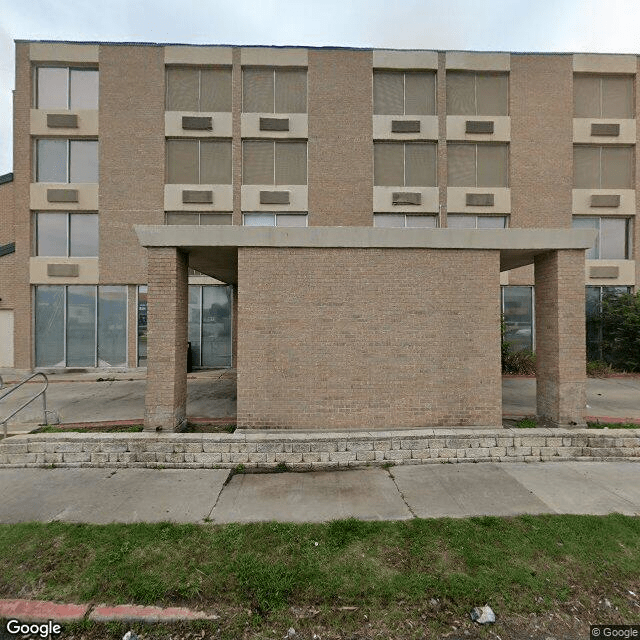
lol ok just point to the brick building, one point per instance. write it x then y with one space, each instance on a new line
151 171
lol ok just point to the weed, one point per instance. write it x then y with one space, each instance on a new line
526 423
281 467
239 469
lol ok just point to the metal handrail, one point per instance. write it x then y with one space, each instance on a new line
42 393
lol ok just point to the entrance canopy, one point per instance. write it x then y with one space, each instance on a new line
213 250
365 328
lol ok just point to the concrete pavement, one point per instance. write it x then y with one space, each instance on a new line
95 397
397 493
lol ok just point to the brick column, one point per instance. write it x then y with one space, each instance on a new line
560 338
166 398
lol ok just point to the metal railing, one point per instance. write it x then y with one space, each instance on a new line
42 392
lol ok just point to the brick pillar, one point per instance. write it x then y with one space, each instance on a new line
166 398
560 338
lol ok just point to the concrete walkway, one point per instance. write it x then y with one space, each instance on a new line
96 397
399 493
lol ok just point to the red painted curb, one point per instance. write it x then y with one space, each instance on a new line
135 613
41 611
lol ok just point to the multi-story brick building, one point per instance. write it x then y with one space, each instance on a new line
217 139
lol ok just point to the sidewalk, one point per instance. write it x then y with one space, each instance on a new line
398 493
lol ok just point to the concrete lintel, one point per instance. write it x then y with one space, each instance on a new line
527 240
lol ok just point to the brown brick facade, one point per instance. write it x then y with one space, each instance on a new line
132 153
340 147
7 235
22 162
166 397
560 337
382 338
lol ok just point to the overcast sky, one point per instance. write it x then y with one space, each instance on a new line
483 25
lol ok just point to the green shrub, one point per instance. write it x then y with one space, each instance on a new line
599 369
620 320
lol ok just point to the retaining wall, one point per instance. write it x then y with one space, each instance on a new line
316 450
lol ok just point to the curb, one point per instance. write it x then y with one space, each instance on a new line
43 611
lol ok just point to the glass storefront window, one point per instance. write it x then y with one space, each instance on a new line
80 326
517 310
142 325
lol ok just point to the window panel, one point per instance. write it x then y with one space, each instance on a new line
84 89
291 220
421 222
586 167
215 162
420 165
52 90
589 223
290 163
493 165
215 90
420 95
291 91
182 162
142 325
216 326
586 96
83 235
617 97
388 164
51 231
388 220
81 326
517 309
257 162
617 167
83 164
259 219
461 221
461 159
51 160
49 326
195 313
613 238
182 218
257 90
182 89
461 94
215 218
492 94
491 222
112 326
388 93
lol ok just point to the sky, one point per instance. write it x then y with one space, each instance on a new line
603 26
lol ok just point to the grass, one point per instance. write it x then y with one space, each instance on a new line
126 428
531 423
519 565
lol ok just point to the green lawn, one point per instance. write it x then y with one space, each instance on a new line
520 565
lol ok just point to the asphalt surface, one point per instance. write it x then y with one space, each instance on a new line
399 493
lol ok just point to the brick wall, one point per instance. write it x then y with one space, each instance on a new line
22 150
560 337
541 148
165 401
132 151
340 151
347 338
7 235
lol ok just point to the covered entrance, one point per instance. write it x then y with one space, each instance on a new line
367 328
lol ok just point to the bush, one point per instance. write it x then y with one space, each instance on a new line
599 369
621 331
